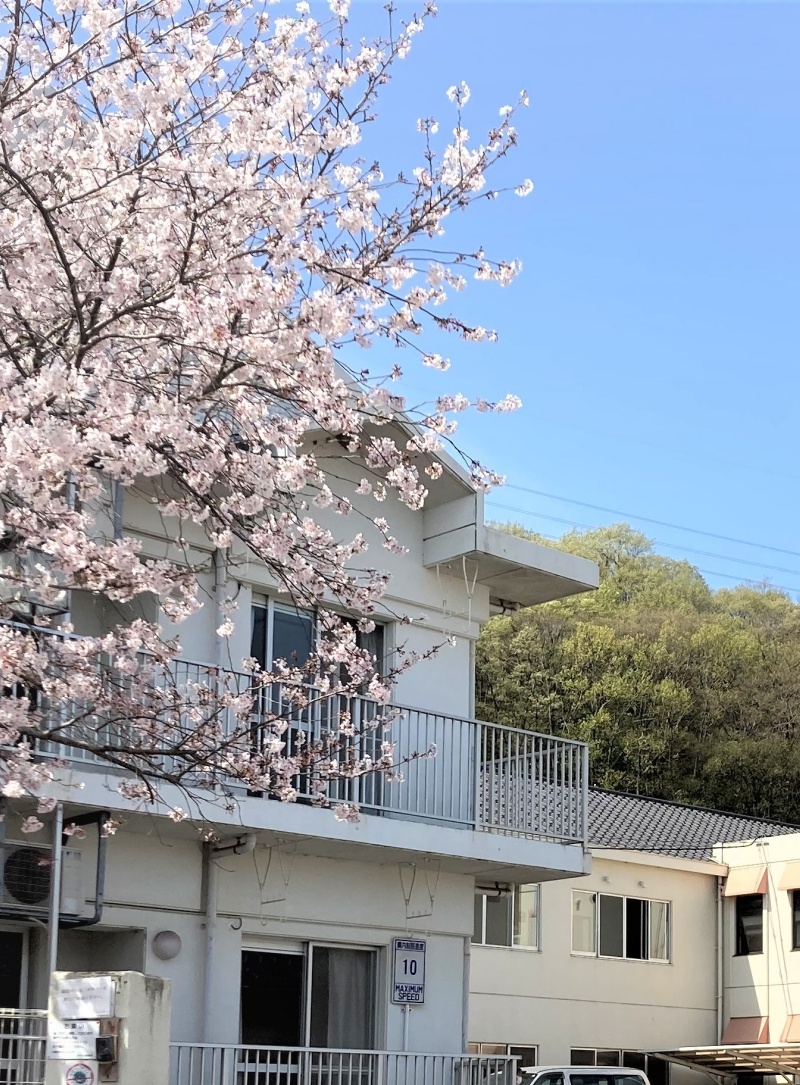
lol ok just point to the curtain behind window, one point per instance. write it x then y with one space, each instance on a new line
341 998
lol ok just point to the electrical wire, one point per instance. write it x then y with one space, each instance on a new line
705 572
657 542
650 520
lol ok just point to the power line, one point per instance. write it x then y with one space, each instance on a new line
657 542
705 572
649 520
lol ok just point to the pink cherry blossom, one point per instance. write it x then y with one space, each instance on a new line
192 251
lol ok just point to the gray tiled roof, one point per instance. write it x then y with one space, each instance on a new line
640 823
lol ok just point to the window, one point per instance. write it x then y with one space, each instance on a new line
657 1070
511 920
281 632
659 933
284 632
612 926
796 919
629 928
296 998
749 925
590 1056
526 1056
584 923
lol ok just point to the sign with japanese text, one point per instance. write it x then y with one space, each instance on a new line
408 984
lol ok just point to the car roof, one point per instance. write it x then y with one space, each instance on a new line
583 1069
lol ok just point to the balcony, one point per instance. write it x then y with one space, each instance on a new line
209 1064
456 772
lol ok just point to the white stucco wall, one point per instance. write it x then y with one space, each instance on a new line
555 1000
423 608
155 883
765 984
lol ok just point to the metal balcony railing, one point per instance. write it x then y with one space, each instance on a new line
211 1064
455 771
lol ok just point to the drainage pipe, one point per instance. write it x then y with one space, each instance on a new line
211 877
55 891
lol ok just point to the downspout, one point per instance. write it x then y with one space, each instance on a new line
242 845
220 576
118 501
55 892
465 995
211 877
720 958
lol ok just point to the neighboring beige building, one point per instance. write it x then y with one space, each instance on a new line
600 969
761 941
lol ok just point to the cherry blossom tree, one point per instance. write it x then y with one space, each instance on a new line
192 254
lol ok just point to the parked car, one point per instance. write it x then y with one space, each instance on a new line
580 1075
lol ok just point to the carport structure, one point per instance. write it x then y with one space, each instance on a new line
730 1060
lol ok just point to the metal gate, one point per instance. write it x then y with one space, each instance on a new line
23 1036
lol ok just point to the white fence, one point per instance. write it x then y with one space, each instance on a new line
210 1064
23 1036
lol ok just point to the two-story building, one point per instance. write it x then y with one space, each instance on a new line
291 930
660 947
758 965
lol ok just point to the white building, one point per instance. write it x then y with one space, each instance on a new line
284 937
598 970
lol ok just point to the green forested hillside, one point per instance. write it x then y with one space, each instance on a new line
682 692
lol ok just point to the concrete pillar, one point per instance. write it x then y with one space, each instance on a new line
108 1027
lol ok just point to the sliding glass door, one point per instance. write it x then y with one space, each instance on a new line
311 996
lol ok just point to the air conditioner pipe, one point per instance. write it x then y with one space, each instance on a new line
99 817
497 890
243 845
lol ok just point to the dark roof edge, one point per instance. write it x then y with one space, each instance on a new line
693 806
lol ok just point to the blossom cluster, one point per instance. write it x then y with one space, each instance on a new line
191 253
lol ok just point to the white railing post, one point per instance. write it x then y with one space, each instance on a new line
479 798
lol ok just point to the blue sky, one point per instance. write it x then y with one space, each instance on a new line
653 335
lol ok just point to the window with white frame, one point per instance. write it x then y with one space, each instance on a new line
526 1055
656 1069
508 920
630 928
281 631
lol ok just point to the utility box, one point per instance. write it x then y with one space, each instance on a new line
108 1027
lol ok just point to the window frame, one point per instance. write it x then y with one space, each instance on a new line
476 1047
738 932
794 901
595 927
622 1063
270 605
511 944
624 898
304 950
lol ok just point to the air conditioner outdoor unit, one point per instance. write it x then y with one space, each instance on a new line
26 872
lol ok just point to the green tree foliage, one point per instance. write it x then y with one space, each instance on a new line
681 692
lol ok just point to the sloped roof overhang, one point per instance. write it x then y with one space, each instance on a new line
731 1059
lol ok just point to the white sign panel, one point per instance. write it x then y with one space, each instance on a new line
85 997
72 1039
409 971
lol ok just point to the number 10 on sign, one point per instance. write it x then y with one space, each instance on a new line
409 971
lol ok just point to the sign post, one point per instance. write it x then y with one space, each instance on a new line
408 973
